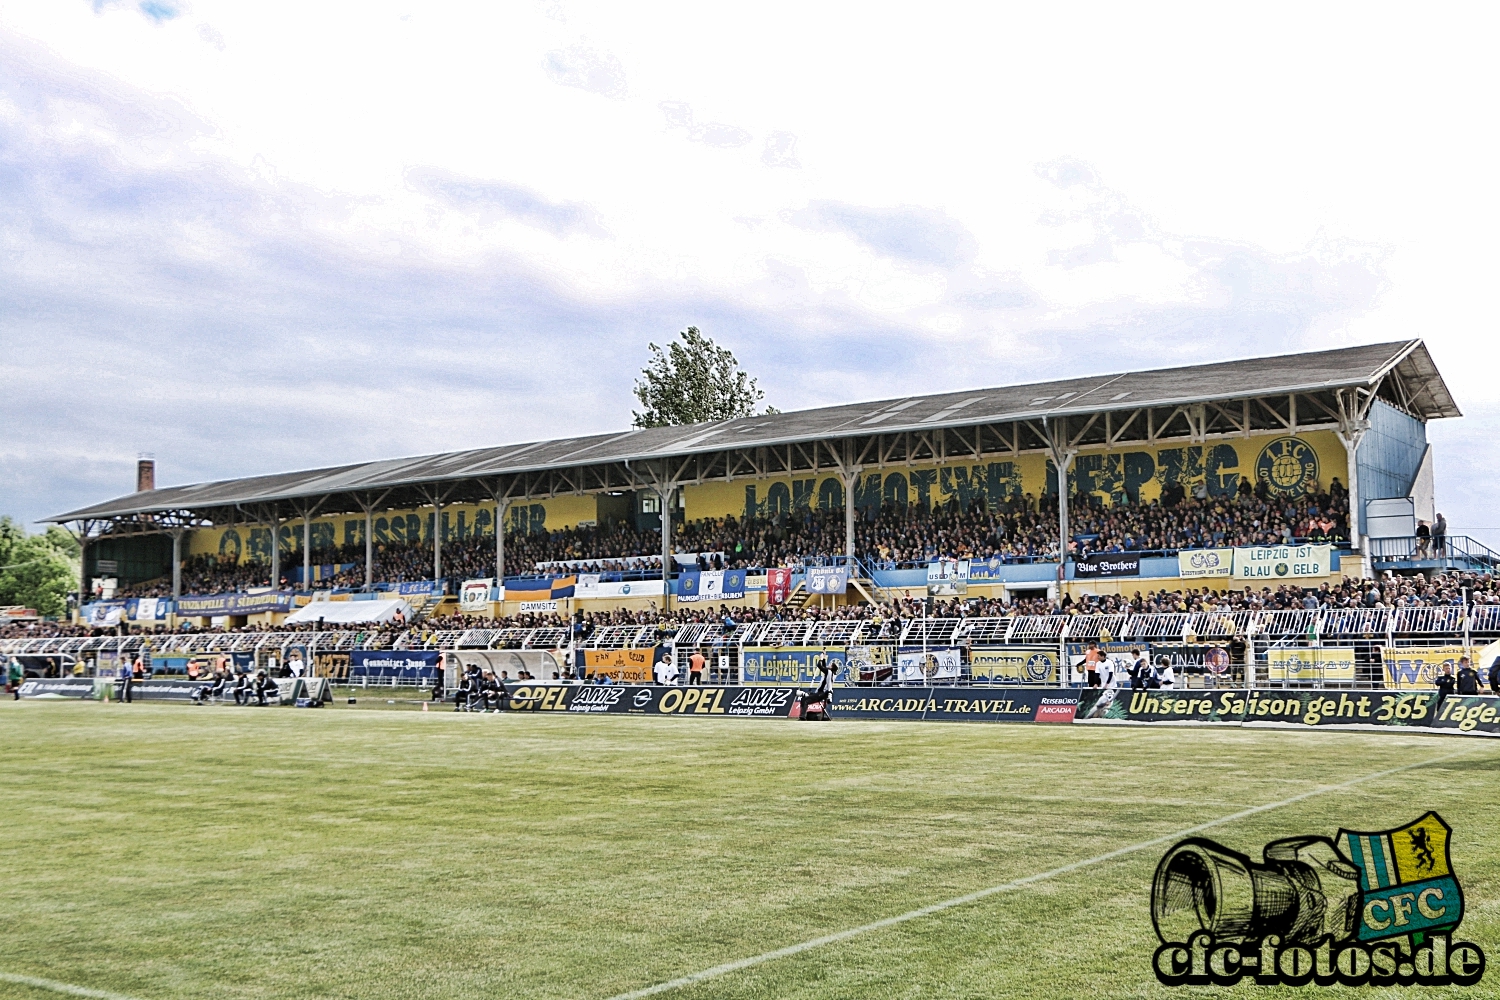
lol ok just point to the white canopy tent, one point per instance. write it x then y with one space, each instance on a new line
350 612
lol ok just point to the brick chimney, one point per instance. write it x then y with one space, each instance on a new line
145 474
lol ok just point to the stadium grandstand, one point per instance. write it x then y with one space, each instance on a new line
1284 500
1169 473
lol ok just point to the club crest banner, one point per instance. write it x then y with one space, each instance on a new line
1205 563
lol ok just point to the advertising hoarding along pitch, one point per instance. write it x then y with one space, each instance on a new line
955 704
1469 713
652 699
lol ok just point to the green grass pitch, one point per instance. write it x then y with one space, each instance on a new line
162 851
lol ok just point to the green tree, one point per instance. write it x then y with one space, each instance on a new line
37 570
694 380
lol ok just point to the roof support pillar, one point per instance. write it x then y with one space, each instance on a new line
368 506
1062 453
274 523
1354 423
177 534
437 541
502 507
306 550
848 475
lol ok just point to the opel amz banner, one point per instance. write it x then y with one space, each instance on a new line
653 699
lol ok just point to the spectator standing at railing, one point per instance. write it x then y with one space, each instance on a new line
1424 538
1439 535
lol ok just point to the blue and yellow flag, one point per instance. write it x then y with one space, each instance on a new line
1406 880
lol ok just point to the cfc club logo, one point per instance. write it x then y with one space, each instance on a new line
1039 667
1377 908
1287 465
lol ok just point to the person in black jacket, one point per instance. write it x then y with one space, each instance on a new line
492 693
1495 676
1446 682
1468 677
263 686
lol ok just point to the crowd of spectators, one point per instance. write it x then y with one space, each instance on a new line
1022 529
1389 592
1178 521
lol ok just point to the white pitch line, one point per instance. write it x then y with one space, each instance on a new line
68 988
947 904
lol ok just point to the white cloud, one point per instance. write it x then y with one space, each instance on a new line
587 69
246 248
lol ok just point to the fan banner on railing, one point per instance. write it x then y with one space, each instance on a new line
947 577
1198 563
234 604
1310 663
792 665
778 585
474 595
827 579
1013 664
624 666
394 664
1282 562
915 664
1096 565
710 585
1408 667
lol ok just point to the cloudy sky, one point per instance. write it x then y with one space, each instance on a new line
257 237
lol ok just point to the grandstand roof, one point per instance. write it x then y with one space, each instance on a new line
1402 373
